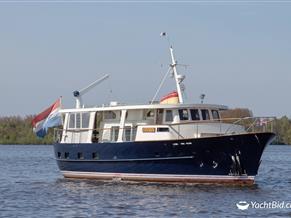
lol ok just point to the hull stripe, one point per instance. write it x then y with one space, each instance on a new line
120 160
160 177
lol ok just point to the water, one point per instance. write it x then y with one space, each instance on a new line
31 186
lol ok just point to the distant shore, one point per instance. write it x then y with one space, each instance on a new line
17 130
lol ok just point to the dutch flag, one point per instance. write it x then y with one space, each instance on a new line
46 119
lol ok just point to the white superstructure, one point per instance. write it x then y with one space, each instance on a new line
144 123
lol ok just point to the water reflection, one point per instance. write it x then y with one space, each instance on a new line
124 198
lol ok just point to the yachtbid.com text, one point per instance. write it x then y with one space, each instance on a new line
271 205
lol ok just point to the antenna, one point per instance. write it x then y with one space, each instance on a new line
78 94
178 77
202 96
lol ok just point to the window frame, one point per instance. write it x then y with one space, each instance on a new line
171 116
197 110
207 110
218 115
78 119
127 129
114 132
179 112
72 120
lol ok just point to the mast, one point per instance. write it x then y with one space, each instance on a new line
178 78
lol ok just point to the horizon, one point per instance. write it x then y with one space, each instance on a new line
238 55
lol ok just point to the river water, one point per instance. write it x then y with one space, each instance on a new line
31 186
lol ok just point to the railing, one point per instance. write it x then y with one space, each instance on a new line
228 126
254 124
225 126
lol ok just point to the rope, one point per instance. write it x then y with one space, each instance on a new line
160 86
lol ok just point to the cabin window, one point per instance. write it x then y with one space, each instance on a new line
160 113
85 120
59 154
215 114
72 121
133 133
205 114
79 120
169 116
80 155
162 129
183 114
114 133
195 114
109 115
95 156
150 114
67 155
127 133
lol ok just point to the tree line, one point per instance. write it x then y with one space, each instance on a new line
18 130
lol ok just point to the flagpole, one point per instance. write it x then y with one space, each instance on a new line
61 107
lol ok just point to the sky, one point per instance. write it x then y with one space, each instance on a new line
237 53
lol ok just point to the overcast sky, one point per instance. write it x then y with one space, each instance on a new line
238 54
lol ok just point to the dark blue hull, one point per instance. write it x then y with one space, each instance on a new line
235 156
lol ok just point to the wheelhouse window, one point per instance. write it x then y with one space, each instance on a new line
215 114
195 114
183 114
205 114
169 116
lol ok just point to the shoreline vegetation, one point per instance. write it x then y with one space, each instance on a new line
16 130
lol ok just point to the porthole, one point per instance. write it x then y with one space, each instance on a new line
95 156
67 154
80 155
157 154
